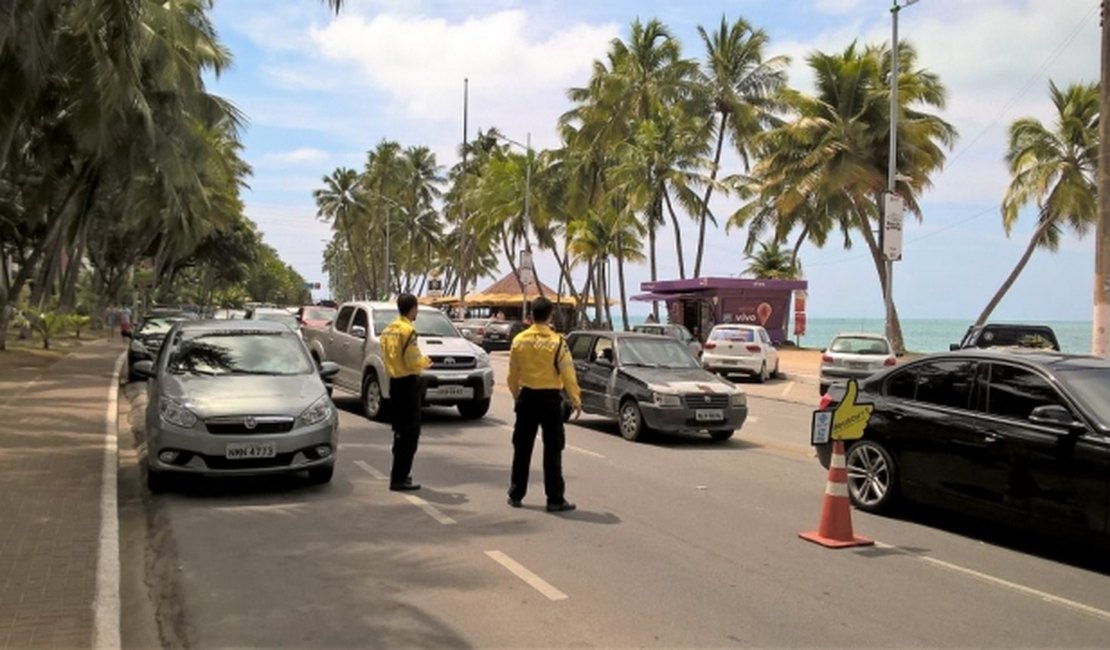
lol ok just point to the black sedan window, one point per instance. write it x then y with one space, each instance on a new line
1091 388
1014 392
246 353
943 383
655 353
580 347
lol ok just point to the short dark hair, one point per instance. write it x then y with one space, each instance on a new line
541 309
406 302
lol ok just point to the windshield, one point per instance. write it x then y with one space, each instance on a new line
318 313
158 325
240 353
428 323
859 345
288 319
655 353
731 334
1091 388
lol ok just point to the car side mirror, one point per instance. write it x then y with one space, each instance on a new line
144 368
358 331
952 347
1054 415
328 369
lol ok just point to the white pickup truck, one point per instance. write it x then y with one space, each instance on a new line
460 374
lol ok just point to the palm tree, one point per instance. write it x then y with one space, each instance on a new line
741 88
1055 167
341 202
827 166
772 262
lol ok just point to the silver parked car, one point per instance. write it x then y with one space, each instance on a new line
653 383
237 398
854 356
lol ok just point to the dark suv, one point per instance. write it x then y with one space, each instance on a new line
1003 335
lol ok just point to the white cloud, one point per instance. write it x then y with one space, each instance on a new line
299 156
836 6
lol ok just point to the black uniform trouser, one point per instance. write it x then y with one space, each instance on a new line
537 409
405 397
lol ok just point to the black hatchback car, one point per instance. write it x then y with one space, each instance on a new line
499 334
1022 437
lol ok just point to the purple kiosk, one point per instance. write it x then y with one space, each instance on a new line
701 303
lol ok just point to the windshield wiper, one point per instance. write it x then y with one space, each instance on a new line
636 364
264 373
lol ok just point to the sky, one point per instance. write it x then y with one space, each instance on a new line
320 91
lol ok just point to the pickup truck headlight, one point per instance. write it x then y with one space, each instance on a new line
666 399
483 359
176 414
738 399
320 410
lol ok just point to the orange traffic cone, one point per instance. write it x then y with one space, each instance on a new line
835 527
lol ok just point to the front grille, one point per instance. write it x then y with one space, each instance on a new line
239 426
453 362
220 462
705 401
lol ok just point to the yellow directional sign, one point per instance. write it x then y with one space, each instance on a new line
849 417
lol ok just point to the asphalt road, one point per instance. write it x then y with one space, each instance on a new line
677 542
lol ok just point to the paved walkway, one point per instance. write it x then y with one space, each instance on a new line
52 449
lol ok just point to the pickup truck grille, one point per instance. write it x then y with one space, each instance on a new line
452 362
705 401
243 425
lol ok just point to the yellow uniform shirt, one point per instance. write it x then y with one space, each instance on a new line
401 355
533 363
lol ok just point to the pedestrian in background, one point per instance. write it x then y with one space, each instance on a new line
540 373
403 363
124 318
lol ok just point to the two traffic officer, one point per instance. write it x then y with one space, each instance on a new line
541 376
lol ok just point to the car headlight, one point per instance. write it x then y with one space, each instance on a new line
176 414
320 410
738 399
666 399
137 345
483 359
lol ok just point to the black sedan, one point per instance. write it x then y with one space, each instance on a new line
499 334
653 383
1020 437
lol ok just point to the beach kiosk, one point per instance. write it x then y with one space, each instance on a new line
701 303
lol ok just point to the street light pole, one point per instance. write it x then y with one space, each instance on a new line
892 167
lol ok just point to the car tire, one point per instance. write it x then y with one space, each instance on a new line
762 376
474 409
721 436
157 482
374 405
872 476
631 421
321 475
776 373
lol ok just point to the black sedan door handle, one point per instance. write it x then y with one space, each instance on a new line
991 438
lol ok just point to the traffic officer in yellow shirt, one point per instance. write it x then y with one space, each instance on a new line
403 363
540 373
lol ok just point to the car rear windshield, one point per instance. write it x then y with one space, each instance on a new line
730 334
318 313
1016 337
1091 388
655 353
859 345
428 323
289 320
240 353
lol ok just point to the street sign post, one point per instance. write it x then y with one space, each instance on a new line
893 209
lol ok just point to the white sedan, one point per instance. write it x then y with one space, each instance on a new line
744 349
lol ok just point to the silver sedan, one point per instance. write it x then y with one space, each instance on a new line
237 398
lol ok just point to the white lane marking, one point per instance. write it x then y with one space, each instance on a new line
1006 584
106 614
585 451
531 579
433 512
786 389
366 467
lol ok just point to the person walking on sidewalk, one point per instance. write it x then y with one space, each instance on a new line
403 363
540 373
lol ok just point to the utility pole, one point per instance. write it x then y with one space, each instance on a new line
1100 346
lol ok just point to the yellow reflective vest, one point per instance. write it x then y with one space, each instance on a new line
540 359
400 353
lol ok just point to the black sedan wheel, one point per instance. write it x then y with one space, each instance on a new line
872 476
631 420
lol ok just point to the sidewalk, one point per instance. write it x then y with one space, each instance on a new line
52 455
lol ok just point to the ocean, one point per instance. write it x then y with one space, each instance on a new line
923 335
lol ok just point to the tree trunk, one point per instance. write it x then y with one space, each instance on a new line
580 307
677 235
599 278
895 333
704 217
620 281
654 270
360 265
1034 241
608 297
798 246
68 300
